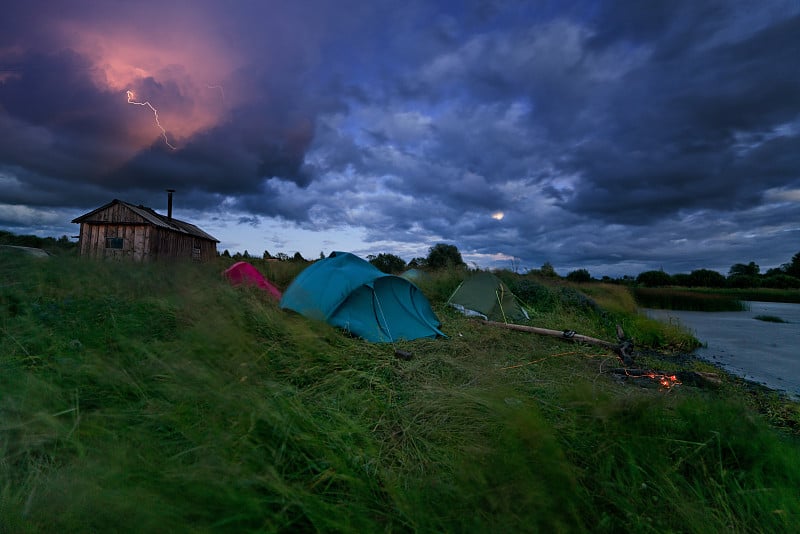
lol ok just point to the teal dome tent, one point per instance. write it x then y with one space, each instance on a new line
350 293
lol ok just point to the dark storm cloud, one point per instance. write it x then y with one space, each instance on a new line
652 141
585 134
53 122
57 122
670 26
671 141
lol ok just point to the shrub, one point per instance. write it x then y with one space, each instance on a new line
744 280
388 263
579 275
706 278
441 256
654 279
781 281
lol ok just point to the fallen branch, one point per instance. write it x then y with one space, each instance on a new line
623 348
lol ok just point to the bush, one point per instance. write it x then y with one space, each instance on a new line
533 293
744 280
706 278
654 279
388 263
579 275
441 256
781 281
681 279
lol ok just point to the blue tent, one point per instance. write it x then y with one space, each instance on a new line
350 293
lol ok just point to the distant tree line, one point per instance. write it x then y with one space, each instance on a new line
440 256
444 256
50 244
280 256
740 275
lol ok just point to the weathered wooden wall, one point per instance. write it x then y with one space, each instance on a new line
117 213
166 244
142 241
135 238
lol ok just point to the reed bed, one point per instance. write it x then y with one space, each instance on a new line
682 299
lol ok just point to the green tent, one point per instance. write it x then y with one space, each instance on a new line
350 293
485 295
415 275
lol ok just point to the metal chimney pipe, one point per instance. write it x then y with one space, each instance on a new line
169 203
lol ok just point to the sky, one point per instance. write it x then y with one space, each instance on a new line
616 137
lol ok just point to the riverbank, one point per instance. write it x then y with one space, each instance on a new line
764 352
776 405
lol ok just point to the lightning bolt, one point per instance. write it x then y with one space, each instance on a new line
131 100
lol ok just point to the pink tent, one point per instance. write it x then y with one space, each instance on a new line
244 273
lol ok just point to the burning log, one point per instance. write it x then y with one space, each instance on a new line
623 349
671 378
665 379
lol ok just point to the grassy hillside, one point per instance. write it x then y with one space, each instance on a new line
158 398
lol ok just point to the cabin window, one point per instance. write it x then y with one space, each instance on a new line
113 242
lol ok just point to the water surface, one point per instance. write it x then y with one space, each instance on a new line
764 352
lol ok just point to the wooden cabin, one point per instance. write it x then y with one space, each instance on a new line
120 230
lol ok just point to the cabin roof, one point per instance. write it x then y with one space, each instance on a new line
149 215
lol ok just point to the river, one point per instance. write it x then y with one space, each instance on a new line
760 351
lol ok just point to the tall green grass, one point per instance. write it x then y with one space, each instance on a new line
159 398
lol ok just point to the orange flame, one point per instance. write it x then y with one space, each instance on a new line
665 381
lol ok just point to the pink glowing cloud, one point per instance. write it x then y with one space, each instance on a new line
176 69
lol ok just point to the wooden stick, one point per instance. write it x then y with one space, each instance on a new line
623 348
566 335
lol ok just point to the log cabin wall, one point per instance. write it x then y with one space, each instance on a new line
167 245
203 250
98 241
117 231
